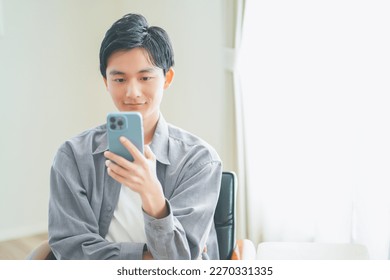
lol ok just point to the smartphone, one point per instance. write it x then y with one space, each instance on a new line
129 125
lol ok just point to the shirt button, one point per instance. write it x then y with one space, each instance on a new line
109 208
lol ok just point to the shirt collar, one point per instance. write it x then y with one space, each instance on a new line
159 145
103 146
160 141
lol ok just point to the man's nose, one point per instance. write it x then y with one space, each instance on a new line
132 91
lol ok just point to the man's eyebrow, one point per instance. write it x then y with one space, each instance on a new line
116 72
147 70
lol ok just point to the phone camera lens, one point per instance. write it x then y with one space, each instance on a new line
112 119
120 122
113 126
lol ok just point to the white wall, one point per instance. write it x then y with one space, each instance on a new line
51 89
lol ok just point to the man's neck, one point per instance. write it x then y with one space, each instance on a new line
150 125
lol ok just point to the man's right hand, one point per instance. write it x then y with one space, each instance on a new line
147 256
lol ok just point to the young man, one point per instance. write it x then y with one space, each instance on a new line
161 205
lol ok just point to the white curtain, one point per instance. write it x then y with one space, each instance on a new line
242 212
315 81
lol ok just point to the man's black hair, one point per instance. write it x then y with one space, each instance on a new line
133 31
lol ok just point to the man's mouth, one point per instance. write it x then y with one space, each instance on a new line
134 104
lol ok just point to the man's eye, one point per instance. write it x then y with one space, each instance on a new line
119 80
146 78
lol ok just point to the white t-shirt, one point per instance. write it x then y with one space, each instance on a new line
127 224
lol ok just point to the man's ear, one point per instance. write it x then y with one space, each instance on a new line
169 77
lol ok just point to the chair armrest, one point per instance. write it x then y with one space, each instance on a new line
244 250
41 252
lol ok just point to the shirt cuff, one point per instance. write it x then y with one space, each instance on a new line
131 251
159 225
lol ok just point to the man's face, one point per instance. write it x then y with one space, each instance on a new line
135 84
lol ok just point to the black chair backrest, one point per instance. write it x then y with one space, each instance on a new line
224 217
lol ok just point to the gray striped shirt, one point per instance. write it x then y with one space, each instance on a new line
83 198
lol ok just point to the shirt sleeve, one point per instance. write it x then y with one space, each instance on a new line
73 226
184 232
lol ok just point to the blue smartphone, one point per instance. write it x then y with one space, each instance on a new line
129 125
